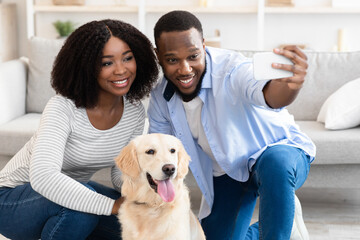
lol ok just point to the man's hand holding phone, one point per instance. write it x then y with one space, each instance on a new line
289 70
284 65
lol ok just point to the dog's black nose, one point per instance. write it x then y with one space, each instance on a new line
168 169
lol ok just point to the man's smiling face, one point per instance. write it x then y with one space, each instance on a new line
182 58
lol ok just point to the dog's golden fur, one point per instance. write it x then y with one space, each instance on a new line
144 214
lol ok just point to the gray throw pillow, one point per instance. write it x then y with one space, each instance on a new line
42 53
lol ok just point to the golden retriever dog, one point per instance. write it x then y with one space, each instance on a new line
157 202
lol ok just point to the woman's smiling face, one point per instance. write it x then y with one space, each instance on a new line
118 67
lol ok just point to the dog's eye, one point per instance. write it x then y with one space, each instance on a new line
172 150
150 151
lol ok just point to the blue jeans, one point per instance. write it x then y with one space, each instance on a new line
25 214
278 172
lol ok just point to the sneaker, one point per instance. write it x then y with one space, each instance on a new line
299 231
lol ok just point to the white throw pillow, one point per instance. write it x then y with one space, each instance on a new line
341 109
42 53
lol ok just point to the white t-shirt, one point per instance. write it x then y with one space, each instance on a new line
193 116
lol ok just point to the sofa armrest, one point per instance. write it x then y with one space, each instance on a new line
13 75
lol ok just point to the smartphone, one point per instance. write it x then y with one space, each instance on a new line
263 69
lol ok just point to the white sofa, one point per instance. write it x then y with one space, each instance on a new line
25 89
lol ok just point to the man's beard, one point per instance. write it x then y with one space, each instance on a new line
191 96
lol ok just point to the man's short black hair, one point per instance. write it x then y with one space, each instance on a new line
176 21
78 64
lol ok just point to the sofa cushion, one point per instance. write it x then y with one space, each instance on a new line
324 76
42 53
333 147
327 72
14 134
341 109
12 89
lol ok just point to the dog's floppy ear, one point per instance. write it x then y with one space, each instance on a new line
183 161
127 160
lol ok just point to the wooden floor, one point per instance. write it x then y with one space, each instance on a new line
329 214
331 221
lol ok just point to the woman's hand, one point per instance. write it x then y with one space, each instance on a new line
117 204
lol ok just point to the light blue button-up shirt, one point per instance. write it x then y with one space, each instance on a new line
237 122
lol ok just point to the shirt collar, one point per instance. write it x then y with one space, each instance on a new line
169 90
206 83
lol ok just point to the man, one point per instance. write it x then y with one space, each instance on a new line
242 141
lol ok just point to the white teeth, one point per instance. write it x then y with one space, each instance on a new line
120 82
186 81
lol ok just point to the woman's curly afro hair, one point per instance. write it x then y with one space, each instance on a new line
78 64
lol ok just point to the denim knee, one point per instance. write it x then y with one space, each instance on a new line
69 224
25 214
278 164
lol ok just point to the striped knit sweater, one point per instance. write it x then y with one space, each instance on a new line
67 150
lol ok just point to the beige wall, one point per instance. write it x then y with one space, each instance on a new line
22 29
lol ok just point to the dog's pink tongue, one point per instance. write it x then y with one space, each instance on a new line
166 191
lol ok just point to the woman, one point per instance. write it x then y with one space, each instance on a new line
100 75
